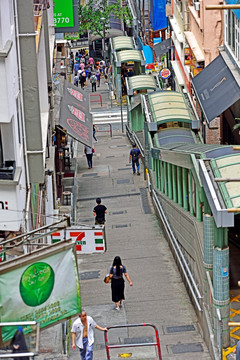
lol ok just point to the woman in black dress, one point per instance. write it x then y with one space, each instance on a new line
116 274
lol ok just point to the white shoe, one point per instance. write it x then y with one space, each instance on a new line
117 308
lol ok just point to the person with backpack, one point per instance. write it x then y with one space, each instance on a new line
134 157
93 81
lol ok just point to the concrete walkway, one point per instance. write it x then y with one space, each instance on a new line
158 295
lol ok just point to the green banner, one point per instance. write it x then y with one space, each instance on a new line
63 13
46 290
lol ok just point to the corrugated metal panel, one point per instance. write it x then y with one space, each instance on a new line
141 82
122 42
129 55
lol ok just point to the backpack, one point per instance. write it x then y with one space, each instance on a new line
93 79
134 155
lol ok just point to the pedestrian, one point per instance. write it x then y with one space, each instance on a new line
76 67
91 62
93 81
116 274
106 74
82 79
94 133
98 76
76 79
18 344
237 350
99 212
134 157
83 335
89 154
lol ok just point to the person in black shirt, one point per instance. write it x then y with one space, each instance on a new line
99 212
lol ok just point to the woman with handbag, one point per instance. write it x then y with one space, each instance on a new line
116 274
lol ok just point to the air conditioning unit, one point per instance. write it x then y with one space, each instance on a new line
197 5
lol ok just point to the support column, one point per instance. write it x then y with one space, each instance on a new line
179 185
174 177
198 208
169 171
165 178
161 176
221 293
190 193
185 188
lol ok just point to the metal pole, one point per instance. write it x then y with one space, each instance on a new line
121 108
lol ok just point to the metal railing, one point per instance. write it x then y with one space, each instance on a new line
118 346
97 100
110 128
8 355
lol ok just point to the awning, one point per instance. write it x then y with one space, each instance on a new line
215 88
177 30
122 42
162 47
129 55
75 116
140 82
177 72
197 51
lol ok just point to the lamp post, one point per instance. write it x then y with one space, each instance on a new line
103 22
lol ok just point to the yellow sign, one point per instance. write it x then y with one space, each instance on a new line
125 355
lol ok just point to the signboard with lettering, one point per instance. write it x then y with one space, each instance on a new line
87 240
63 13
75 116
33 290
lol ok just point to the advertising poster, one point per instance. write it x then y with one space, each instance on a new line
45 289
63 13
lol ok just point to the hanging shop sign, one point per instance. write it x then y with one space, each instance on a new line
32 288
87 241
187 56
165 73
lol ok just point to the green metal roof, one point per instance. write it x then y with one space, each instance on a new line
228 167
122 42
129 55
139 82
169 106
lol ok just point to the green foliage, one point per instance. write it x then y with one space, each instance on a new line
95 16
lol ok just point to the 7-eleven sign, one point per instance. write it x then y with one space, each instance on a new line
87 241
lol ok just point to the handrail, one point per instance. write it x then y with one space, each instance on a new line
118 346
110 127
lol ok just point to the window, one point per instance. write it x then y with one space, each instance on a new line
232 32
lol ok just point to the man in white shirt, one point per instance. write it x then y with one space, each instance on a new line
83 335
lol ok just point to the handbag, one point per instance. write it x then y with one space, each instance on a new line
93 150
107 279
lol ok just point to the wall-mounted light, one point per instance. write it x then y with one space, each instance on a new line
63 138
60 154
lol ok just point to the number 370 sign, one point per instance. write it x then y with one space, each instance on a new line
63 13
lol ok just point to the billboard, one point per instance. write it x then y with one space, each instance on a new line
66 16
32 289
63 13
